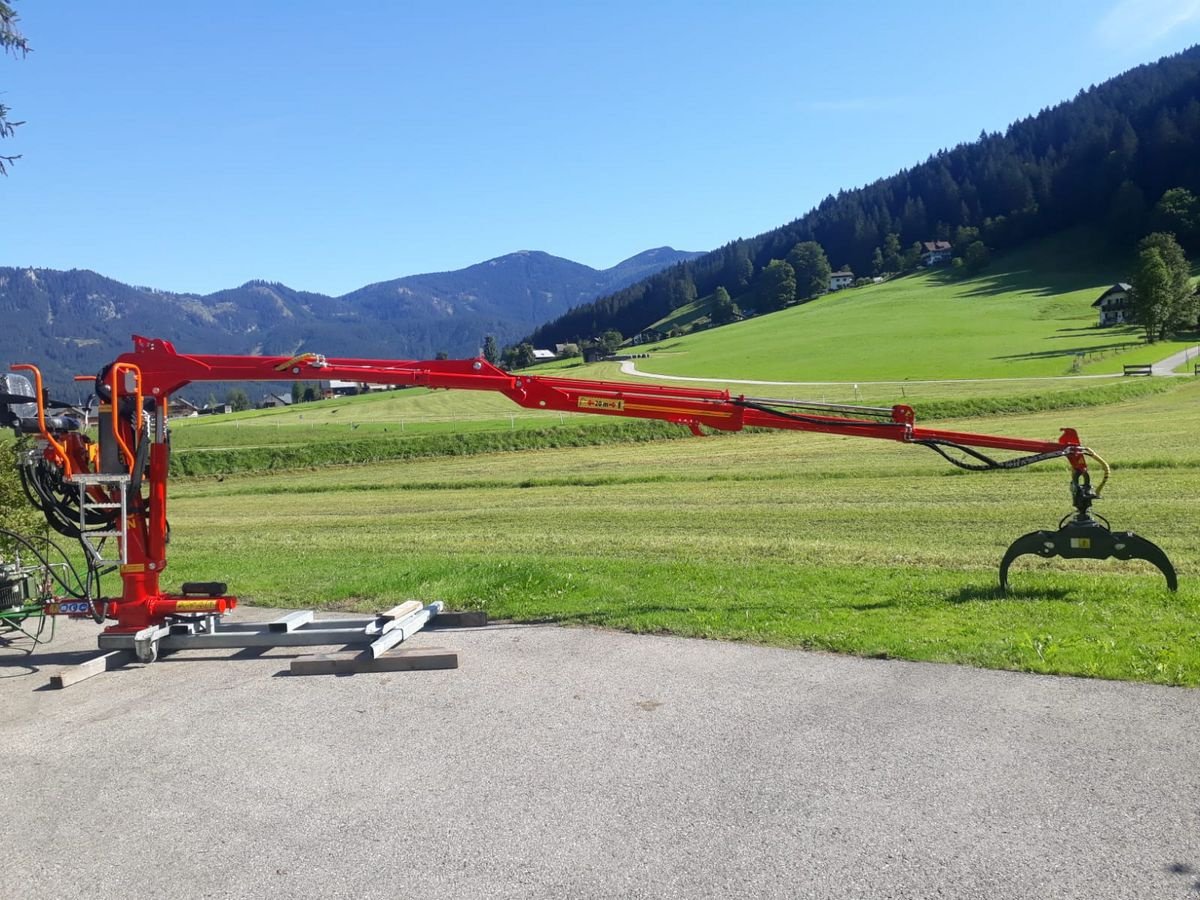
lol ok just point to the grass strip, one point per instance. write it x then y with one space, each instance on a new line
1094 395
381 448
234 460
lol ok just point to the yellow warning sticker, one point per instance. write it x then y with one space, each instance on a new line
1081 543
195 605
601 403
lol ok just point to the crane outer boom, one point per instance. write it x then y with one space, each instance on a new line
164 371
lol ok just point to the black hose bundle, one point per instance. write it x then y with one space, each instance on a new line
57 566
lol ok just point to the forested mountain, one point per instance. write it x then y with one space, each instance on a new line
75 322
1106 158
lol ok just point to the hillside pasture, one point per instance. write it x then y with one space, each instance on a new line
1028 315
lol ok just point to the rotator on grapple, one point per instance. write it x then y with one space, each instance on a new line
111 493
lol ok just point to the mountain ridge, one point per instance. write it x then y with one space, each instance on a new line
78 319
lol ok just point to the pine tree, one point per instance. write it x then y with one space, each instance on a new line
877 262
892 257
1126 216
745 272
11 41
1178 211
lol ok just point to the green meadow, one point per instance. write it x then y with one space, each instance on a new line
789 539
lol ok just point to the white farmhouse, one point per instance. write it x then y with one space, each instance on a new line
842 279
1114 305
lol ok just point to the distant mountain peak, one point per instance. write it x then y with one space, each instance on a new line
88 317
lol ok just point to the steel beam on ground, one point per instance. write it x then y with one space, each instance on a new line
292 620
301 637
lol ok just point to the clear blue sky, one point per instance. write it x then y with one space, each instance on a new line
192 147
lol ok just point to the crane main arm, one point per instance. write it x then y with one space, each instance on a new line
128 467
163 371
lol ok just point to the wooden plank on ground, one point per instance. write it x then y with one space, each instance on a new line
396 612
70 675
351 662
388 619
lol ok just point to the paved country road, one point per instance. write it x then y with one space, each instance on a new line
1175 360
562 762
1162 367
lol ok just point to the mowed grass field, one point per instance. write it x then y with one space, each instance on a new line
403 414
1027 315
410 424
789 539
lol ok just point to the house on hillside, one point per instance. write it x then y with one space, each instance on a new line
273 401
181 408
81 414
543 356
935 253
1114 305
649 336
335 388
842 279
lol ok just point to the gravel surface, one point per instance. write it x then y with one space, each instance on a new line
582 763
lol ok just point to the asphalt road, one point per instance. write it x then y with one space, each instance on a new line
1162 367
1175 360
582 763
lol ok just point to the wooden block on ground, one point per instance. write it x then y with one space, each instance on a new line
352 662
472 618
396 612
70 675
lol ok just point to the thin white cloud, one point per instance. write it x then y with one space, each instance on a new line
1141 23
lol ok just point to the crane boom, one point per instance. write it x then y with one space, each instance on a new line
164 371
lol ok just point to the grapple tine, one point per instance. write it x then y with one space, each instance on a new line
1127 545
1039 542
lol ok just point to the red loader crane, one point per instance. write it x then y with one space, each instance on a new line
114 491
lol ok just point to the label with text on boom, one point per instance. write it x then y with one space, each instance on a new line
601 403
69 608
